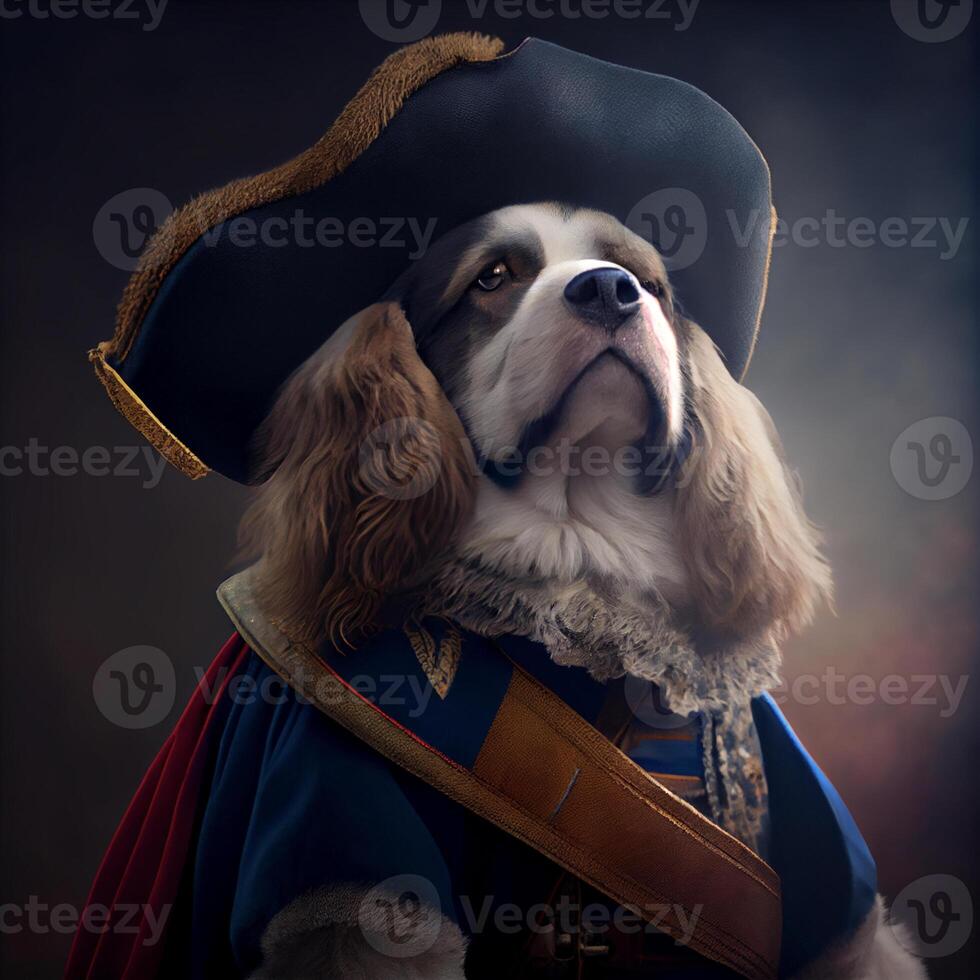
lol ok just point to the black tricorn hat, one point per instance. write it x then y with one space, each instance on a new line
216 317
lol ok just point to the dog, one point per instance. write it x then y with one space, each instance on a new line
533 328
527 434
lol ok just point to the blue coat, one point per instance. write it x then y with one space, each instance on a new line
296 803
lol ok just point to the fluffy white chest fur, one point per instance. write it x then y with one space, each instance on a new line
568 528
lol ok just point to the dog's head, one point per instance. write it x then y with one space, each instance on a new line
527 394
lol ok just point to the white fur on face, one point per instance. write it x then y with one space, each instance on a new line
527 367
563 520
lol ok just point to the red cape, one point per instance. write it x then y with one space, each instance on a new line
145 863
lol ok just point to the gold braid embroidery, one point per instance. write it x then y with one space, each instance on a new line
439 666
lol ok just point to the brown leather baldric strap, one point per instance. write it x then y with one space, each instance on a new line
628 835
552 781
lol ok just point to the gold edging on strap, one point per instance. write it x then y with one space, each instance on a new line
138 414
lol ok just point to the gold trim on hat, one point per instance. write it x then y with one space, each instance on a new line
138 414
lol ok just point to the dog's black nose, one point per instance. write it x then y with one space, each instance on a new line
605 297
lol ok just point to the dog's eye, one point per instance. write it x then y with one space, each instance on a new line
492 276
654 288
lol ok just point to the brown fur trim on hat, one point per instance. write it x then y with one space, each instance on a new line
355 129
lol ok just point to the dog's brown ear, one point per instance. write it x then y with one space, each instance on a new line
371 477
753 557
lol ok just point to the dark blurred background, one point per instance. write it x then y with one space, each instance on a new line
861 115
